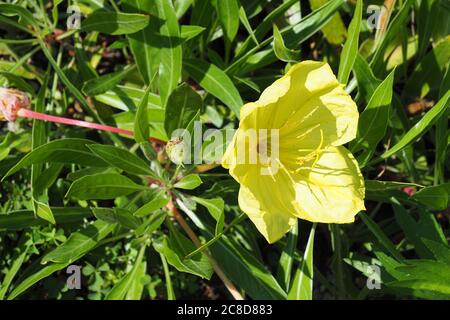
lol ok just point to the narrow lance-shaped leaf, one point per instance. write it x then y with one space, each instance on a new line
287 258
302 286
216 82
283 53
60 151
35 278
142 43
159 199
334 30
374 119
189 182
104 83
183 107
19 220
114 23
7 280
171 51
264 27
141 124
421 127
122 159
244 19
120 289
176 248
189 32
102 186
367 82
228 12
26 19
239 265
40 204
350 50
79 243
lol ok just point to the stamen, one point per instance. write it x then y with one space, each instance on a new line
313 154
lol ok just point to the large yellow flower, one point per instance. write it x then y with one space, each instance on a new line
318 179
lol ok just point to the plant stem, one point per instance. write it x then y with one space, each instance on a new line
228 284
72 122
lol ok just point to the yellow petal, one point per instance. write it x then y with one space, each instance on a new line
308 97
268 201
332 191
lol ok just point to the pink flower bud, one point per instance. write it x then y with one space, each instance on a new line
11 101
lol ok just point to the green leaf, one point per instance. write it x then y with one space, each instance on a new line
79 243
102 186
151 224
182 6
380 235
18 220
16 81
228 13
367 82
40 181
428 74
189 32
159 200
128 98
216 82
189 182
287 259
120 289
35 278
117 215
374 120
350 50
114 23
244 20
426 279
26 19
60 151
293 35
182 109
171 50
244 269
421 127
46 179
215 206
302 286
264 27
395 27
136 287
122 159
426 22
426 227
176 247
334 30
104 83
435 197
142 43
169 287
43 211
283 53
440 251
9 276
141 125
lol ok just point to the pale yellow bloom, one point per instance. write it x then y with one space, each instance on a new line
318 179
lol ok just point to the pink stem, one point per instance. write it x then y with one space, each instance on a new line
72 122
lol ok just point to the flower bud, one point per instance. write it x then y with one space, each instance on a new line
11 101
175 150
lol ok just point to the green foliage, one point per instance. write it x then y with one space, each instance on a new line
142 227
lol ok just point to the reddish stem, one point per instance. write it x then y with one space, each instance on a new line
72 122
